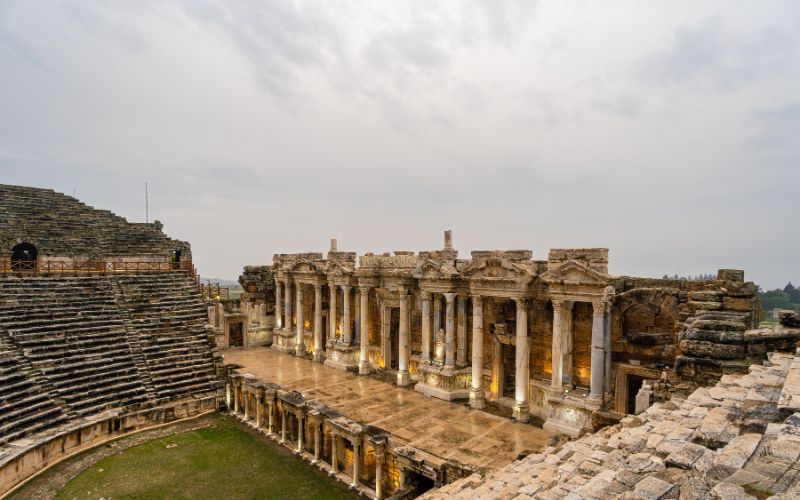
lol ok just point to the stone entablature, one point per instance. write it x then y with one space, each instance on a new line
542 337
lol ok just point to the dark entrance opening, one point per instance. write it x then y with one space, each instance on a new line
634 384
394 336
418 484
23 257
509 371
176 260
236 338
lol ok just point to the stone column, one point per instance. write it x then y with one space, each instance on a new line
607 343
449 330
246 404
357 316
332 313
287 305
363 358
259 412
556 380
379 451
425 357
356 463
437 313
278 305
566 328
598 353
300 348
236 399
461 332
521 407
403 377
270 416
318 323
346 327
334 451
317 441
300 431
477 399
283 426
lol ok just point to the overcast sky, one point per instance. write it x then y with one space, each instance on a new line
666 131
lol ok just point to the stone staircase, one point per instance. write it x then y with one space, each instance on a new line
739 439
71 347
62 225
171 330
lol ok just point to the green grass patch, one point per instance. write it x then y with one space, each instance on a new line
220 461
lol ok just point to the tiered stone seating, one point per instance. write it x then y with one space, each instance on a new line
738 439
72 347
71 332
25 405
62 225
171 331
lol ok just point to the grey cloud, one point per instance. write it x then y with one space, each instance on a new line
710 53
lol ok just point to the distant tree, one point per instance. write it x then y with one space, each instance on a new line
665 277
792 292
776 298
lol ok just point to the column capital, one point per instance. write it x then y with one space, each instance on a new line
425 295
449 296
522 301
601 306
318 287
403 292
558 303
476 297
346 288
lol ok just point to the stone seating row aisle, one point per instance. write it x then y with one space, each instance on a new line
739 439
53 218
70 331
25 405
171 331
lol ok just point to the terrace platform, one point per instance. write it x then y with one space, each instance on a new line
446 430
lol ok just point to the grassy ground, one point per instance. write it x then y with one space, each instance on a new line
220 461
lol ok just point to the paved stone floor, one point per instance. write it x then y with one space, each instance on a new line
446 430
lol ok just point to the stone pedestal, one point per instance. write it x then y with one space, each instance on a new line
444 382
284 341
342 356
569 415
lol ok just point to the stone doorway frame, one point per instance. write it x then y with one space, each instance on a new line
621 383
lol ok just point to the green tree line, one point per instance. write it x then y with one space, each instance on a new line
788 298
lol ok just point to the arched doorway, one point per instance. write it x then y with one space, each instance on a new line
23 257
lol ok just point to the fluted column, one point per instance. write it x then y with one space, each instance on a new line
332 313
287 306
356 463
607 343
403 377
300 347
318 323
346 326
521 406
556 384
425 358
598 352
363 355
278 305
461 332
437 314
477 399
449 330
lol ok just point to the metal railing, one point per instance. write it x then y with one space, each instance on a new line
8 266
213 291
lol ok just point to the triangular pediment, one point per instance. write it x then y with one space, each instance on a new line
573 271
496 269
431 269
336 268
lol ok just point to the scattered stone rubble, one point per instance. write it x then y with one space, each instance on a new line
737 439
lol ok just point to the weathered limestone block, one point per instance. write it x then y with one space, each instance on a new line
717 429
712 350
728 491
686 456
789 319
789 401
733 456
652 488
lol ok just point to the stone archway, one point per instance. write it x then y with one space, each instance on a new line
24 257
